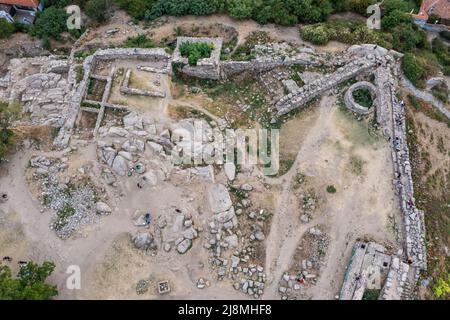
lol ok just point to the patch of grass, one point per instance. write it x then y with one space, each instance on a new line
371 295
358 130
285 166
238 193
244 52
139 41
331 189
363 97
84 53
195 51
440 91
357 165
63 216
79 73
432 193
299 180
428 110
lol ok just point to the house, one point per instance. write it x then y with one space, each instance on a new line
440 8
21 11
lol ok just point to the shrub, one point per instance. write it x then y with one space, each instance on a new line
331 189
29 284
440 91
363 97
8 112
140 41
195 51
6 28
350 32
316 34
445 35
442 288
136 8
50 23
393 19
97 9
414 70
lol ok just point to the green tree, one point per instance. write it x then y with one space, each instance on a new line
6 28
29 283
97 9
241 9
50 23
8 112
414 69
393 19
389 6
136 8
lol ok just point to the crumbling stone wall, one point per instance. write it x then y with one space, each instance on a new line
397 285
414 222
125 89
79 90
327 82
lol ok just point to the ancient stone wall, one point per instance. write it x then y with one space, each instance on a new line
327 82
414 222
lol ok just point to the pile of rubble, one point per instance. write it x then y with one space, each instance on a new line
75 205
305 270
224 236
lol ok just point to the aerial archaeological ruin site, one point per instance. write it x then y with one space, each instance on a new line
208 157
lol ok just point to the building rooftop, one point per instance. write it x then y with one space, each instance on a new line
23 3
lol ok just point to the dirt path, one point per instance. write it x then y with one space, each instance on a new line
286 230
361 208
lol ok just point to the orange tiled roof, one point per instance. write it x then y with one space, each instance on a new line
440 8
24 3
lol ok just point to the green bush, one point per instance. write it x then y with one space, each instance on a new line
350 32
195 51
331 189
363 97
140 41
316 34
29 284
440 91
414 70
445 35
6 28
393 19
50 23
8 112
97 9
136 8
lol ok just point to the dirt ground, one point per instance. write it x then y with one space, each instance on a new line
361 208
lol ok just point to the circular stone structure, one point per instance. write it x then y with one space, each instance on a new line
350 100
